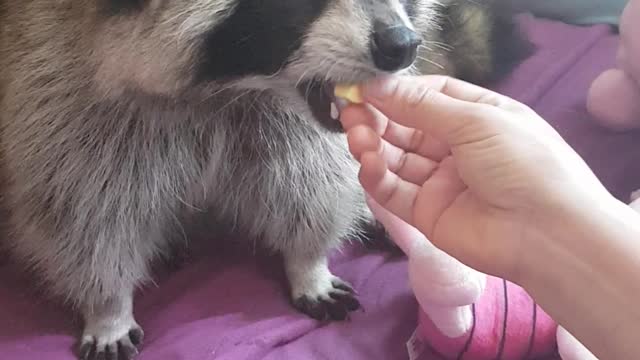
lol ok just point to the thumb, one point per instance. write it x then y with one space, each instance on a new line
437 105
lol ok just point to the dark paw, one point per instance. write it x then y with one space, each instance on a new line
377 238
335 304
124 348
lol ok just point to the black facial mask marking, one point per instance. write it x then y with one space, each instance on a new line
258 38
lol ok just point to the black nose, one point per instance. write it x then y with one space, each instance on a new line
394 47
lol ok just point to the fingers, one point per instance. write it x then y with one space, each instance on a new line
406 199
387 188
354 115
436 105
437 195
451 87
411 140
416 141
408 166
465 91
362 139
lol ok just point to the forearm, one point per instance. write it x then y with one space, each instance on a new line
586 274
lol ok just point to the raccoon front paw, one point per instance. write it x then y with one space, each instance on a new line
328 300
377 238
114 342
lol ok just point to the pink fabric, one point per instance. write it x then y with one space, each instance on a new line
507 325
614 97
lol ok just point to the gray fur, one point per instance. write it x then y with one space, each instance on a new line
108 147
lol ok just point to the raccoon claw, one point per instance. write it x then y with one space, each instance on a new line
334 305
124 348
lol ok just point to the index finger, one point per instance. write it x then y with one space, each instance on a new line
406 138
437 105
452 87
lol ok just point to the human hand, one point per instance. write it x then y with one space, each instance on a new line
480 174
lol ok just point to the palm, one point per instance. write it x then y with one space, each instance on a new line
403 166
470 230
410 173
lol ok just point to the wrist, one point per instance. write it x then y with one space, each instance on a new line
582 269
572 226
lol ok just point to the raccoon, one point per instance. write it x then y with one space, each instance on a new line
122 119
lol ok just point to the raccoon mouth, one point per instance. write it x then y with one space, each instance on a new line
323 104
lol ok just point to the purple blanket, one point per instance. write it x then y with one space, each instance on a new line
235 307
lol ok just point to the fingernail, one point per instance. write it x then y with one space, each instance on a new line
380 88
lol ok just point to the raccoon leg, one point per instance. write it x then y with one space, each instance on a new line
315 290
113 266
317 222
110 330
95 266
303 226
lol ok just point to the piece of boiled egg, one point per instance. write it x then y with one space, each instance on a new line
350 93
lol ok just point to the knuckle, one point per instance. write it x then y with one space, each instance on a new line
416 140
421 94
493 99
394 89
505 103
416 92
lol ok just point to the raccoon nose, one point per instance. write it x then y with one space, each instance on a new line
394 47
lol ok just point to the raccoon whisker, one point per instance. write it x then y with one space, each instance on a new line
356 70
301 78
230 102
224 88
309 83
431 62
444 47
306 92
197 19
190 206
255 100
439 44
275 73
183 232
413 70
436 42
327 76
425 47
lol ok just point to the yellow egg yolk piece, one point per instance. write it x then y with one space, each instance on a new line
350 93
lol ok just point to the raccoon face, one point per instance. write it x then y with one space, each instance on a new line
298 49
310 45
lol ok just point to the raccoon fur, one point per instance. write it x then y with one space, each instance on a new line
122 119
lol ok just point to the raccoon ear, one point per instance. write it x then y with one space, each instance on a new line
120 7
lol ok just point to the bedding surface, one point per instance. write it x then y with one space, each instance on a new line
580 12
234 306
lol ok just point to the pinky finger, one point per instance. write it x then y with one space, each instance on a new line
387 188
